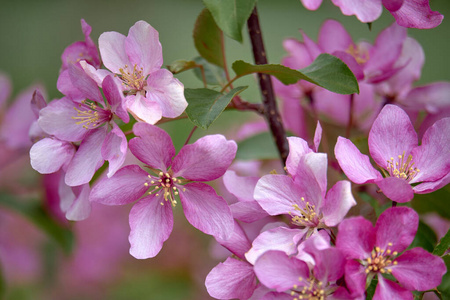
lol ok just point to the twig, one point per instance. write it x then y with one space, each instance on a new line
271 112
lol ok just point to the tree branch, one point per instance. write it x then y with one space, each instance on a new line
271 112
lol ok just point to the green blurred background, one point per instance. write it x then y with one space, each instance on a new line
35 33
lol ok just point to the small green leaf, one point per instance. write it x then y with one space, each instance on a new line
333 74
208 39
326 71
231 15
181 65
206 105
259 146
36 213
443 245
425 238
371 289
214 75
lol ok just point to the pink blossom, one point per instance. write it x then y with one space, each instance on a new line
393 145
303 195
83 122
407 13
290 275
136 59
374 251
151 219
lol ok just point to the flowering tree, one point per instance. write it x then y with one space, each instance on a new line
317 220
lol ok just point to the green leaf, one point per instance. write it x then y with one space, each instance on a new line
371 289
444 287
259 146
206 105
214 75
36 213
443 245
333 74
231 15
181 65
208 39
326 71
425 238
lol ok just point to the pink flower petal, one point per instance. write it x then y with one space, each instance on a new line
115 98
151 224
276 270
387 289
337 203
386 51
356 238
96 74
66 87
248 212
143 109
355 278
417 14
231 279
85 84
238 243
317 137
126 186
167 91
428 187
49 155
355 165
206 159
298 148
314 165
112 49
143 47
277 194
153 146
392 134
432 97
333 37
280 238
311 4
242 187
393 5
57 119
80 208
432 158
114 149
419 270
365 10
292 113
299 56
398 226
18 119
88 158
37 102
206 211
396 189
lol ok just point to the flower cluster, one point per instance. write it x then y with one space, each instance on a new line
303 232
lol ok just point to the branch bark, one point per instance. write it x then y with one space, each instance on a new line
271 112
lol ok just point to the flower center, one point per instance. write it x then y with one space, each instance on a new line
90 115
164 184
402 168
311 289
361 55
379 261
305 216
135 79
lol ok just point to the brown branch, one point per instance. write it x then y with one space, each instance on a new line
271 112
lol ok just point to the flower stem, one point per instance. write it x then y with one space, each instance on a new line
190 135
271 112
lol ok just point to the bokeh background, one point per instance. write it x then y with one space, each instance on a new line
33 36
